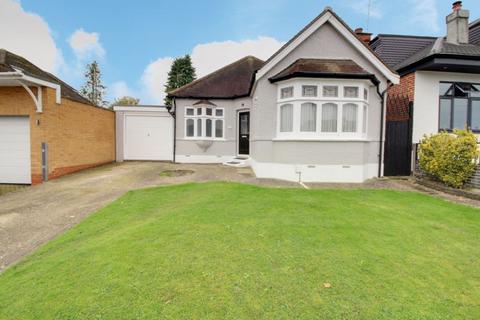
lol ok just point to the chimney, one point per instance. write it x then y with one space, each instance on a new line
457 24
364 36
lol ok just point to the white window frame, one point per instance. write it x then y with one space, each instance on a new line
203 118
297 100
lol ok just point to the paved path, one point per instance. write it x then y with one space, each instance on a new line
30 217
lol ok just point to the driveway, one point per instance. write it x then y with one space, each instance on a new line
30 217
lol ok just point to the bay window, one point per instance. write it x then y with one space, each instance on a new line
324 109
204 123
349 117
286 118
308 117
329 117
459 106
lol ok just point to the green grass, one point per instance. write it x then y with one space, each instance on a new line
231 251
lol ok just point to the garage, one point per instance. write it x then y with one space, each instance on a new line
144 133
15 162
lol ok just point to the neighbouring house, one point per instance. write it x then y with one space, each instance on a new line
439 87
47 129
312 112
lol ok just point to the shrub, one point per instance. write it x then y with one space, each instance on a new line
449 157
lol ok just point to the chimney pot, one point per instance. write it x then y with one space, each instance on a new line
457 5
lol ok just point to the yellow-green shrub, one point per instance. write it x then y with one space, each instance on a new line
449 157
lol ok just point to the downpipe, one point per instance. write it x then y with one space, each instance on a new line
382 125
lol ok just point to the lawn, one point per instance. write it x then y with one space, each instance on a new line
232 251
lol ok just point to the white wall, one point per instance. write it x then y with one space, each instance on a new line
426 102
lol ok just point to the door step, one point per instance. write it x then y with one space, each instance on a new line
239 162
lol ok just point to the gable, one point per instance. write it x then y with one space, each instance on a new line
328 37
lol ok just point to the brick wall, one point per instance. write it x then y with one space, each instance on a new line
79 136
399 97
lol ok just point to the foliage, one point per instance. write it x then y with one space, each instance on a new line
125 101
449 157
181 73
93 89
232 251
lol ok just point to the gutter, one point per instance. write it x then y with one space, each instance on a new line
382 124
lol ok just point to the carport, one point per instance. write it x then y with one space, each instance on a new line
144 133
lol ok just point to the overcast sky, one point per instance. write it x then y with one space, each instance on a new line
135 41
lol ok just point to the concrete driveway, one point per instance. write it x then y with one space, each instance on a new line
31 216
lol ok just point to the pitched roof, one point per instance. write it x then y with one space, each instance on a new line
394 49
232 81
474 34
329 10
10 62
441 47
337 68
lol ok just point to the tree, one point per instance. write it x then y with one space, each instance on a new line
126 101
181 73
93 89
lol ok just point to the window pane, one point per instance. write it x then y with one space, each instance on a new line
350 92
476 115
199 127
330 91
209 111
199 111
460 108
286 93
190 129
329 117
286 118
219 112
349 118
208 128
309 91
445 113
219 129
308 117
364 129
190 112
445 89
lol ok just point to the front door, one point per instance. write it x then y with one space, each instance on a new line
244 133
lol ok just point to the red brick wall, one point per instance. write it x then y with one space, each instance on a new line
399 98
79 136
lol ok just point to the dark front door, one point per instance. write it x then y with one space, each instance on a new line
244 133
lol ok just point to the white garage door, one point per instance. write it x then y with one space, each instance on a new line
15 162
148 137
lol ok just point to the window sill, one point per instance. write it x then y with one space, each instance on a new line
321 139
203 139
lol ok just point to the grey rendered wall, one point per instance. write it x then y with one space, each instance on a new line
325 43
225 147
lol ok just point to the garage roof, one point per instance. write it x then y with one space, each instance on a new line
232 81
10 62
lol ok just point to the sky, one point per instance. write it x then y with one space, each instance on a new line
135 42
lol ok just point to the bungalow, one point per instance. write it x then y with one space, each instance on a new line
439 87
47 129
312 112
